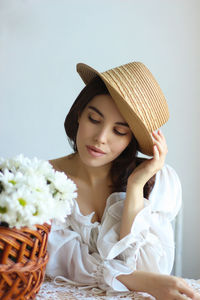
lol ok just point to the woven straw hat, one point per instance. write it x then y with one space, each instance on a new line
138 97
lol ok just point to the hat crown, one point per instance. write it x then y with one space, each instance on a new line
138 87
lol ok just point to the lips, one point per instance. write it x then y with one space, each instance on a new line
94 151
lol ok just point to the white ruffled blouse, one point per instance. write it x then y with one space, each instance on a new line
92 254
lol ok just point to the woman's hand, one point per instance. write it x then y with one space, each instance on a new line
165 287
162 287
150 167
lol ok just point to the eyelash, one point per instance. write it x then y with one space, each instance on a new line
96 122
93 120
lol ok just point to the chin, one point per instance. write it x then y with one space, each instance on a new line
93 162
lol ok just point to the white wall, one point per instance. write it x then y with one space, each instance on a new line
42 40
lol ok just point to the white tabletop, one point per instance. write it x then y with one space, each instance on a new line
51 291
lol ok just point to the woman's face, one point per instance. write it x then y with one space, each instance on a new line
103 134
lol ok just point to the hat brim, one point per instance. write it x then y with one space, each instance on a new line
142 135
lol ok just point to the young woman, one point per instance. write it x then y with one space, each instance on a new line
119 235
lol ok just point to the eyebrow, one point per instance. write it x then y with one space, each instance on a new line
100 113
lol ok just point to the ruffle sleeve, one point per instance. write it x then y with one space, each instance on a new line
69 251
150 244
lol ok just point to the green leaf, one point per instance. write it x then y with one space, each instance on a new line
3 209
55 193
22 201
12 181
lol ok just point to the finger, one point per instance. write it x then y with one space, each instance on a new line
159 135
160 139
186 290
156 153
162 148
156 136
180 296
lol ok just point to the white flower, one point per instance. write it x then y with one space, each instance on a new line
31 192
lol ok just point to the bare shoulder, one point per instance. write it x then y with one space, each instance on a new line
62 164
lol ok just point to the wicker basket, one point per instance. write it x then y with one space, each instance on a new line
23 259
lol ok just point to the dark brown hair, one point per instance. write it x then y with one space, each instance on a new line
127 161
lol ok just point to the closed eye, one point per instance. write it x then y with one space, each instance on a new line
119 133
94 121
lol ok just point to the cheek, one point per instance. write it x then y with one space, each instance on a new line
84 130
120 146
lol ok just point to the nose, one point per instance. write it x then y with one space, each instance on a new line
101 136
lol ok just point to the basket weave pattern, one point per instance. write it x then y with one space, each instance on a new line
23 259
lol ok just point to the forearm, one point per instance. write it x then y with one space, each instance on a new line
160 286
133 204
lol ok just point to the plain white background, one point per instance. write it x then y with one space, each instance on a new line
42 40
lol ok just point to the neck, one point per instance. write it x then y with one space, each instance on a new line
91 175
